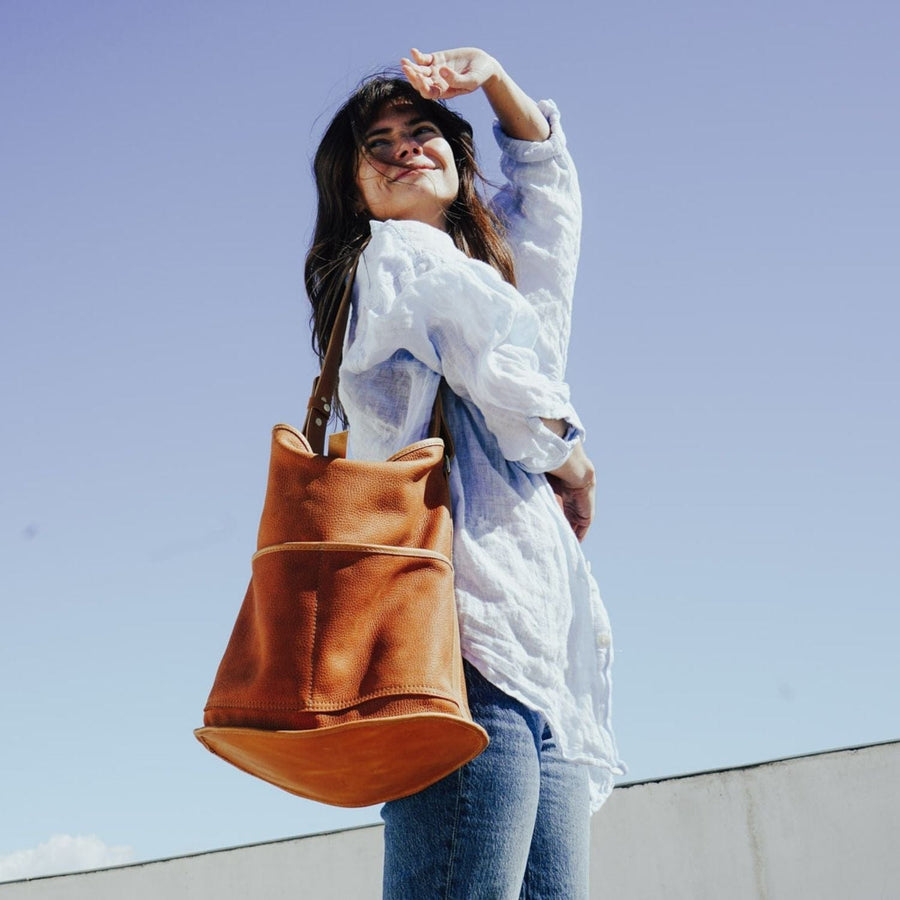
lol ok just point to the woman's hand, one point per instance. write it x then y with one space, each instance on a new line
577 505
451 73
574 484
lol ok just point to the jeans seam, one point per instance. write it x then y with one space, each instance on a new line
447 886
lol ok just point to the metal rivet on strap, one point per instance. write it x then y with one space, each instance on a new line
318 422
327 407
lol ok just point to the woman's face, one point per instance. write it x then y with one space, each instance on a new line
406 168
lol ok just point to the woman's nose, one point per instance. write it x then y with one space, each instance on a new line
408 147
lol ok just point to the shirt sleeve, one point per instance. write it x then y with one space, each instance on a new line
459 318
541 207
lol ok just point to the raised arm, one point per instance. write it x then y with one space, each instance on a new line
446 74
450 73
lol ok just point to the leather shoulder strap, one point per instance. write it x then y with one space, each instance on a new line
322 398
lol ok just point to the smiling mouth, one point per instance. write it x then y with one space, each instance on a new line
413 170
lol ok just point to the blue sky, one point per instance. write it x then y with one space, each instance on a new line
734 359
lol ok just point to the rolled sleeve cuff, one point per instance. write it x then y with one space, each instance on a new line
534 151
549 451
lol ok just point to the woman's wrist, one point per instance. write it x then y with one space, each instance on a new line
519 115
577 472
558 426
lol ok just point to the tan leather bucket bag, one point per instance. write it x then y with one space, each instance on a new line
343 680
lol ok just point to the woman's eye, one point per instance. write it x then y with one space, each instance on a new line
422 129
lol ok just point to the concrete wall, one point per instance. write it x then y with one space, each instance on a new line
823 827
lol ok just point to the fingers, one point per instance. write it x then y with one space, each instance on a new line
580 527
445 74
431 83
421 77
579 524
577 505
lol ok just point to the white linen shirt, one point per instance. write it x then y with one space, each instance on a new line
531 618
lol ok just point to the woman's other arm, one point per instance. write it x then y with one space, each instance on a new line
574 483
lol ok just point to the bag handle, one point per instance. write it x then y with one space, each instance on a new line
323 390
321 400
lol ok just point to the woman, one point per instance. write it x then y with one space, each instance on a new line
474 300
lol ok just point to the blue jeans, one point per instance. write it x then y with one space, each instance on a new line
513 823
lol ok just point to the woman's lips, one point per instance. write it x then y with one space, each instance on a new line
412 170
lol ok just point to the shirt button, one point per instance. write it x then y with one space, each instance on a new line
603 641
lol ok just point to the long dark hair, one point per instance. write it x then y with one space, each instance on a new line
342 225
